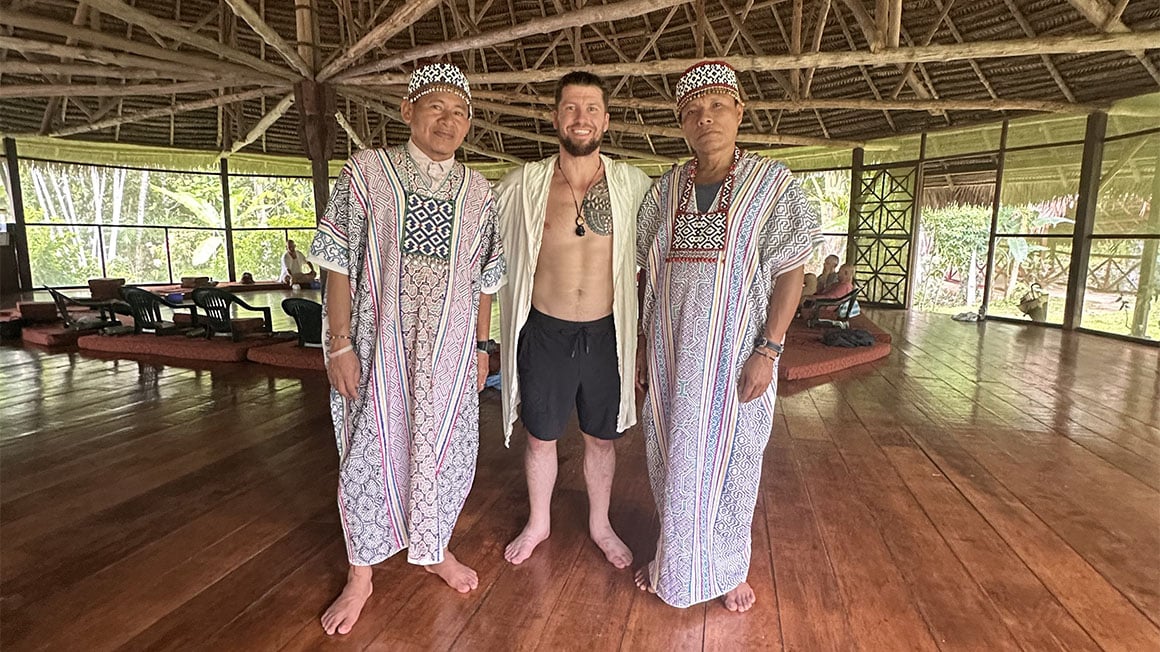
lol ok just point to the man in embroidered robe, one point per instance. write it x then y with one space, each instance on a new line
410 241
569 309
723 240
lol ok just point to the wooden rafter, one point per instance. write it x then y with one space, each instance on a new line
177 32
165 111
361 96
119 44
265 123
1076 44
545 25
87 70
105 90
877 38
243 10
358 140
866 104
97 55
1044 56
403 17
1106 17
666 132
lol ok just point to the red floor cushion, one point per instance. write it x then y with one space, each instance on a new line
288 354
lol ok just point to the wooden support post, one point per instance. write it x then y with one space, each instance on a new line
996 204
231 267
855 198
19 232
318 130
915 215
1085 212
1147 285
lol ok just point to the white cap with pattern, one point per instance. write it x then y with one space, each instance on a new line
704 78
439 77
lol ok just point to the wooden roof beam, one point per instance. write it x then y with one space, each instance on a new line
359 95
1072 44
107 57
243 10
85 70
264 123
862 104
404 17
179 33
166 111
105 90
544 25
117 43
1106 18
666 132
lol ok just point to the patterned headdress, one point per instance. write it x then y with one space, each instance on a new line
704 78
439 77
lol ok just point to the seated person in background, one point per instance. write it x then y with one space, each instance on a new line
292 264
829 275
247 278
809 285
844 286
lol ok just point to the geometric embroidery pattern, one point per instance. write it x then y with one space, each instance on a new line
427 227
700 237
699 232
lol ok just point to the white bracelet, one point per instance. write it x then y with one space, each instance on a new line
346 349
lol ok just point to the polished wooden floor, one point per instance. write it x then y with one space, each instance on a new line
986 487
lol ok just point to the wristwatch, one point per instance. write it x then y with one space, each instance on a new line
762 342
483 346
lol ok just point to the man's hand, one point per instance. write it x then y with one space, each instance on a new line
343 371
642 363
756 376
482 359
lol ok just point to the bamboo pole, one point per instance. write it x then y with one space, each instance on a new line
97 55
105 90
120 44
243 10
165 111
545 25
176 31
397 117
85 70
666 132
866 104
265 123
404 16
349 129
1074 44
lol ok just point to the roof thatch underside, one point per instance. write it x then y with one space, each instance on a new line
164 72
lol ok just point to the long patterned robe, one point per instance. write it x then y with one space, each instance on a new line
417 258
708 283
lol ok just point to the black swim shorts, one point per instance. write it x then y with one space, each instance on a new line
564 364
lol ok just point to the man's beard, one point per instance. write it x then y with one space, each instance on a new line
580 148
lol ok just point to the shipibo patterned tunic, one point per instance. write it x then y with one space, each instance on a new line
417 258
708 282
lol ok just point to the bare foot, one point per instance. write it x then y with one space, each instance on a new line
644 578
344 612
459 577
522 546
613 548
740 599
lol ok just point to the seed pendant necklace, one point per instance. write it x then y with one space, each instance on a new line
580 222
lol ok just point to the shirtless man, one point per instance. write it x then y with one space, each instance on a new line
569 308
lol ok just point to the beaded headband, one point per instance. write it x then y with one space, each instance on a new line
439 78
704 78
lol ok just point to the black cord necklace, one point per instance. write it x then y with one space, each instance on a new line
580 222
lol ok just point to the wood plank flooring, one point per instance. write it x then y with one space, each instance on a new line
986 487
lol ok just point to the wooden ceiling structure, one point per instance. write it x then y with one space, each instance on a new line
224 75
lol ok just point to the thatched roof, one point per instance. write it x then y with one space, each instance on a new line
219 75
